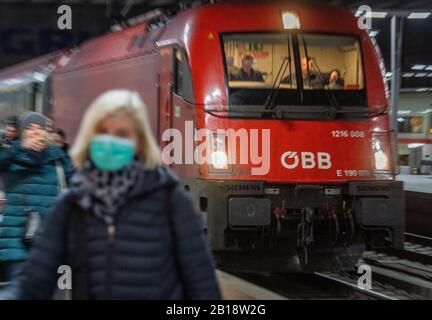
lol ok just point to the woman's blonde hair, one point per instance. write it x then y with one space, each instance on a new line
116 103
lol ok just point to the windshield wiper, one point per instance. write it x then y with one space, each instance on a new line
334 105
276 83
274 91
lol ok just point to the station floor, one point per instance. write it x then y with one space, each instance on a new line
234 288
416 183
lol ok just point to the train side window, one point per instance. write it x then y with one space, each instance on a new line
182 76
413 124
430 124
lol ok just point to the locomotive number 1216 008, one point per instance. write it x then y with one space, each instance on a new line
348 134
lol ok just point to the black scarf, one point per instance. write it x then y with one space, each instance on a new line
104 192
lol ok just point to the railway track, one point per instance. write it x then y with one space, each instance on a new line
418 244
395 275
299 286
379 291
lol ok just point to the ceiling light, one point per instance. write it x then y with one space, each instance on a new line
404 112
373 33
418 67
376 14
371 14
419 15
415 145
429 67
421 75
426 111
408 74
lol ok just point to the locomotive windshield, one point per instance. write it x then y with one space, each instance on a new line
279 70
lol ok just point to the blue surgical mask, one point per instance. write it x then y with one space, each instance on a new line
111 153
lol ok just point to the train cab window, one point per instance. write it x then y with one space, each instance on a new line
284 69
330 62
182 76
258 63
331 69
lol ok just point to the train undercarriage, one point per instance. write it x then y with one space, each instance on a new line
303 227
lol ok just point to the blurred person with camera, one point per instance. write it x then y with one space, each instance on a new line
34 171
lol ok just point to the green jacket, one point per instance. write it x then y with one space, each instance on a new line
31 183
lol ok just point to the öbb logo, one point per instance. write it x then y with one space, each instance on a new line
306 160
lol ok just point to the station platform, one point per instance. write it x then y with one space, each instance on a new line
418 203
416 183
234 288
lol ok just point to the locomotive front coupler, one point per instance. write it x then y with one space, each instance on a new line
305 236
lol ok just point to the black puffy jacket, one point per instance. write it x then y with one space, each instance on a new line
139 263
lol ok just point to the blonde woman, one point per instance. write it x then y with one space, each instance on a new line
125 227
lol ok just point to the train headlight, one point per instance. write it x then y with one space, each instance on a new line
290 20
381 160
381 153
219 160
219 156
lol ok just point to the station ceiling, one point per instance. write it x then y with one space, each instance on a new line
417 49
378 4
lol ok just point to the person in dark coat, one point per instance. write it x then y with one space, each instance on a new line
11 132
126 225
30 171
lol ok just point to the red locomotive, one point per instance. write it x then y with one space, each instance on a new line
289 100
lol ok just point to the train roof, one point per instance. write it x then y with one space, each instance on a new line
194 23
34 70
218 17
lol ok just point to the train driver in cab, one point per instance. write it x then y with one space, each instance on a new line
312 78
246 72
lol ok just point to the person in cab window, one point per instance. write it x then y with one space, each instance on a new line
335 80
126 226
246 72
312 78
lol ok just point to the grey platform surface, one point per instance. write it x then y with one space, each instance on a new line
416 183
234 288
